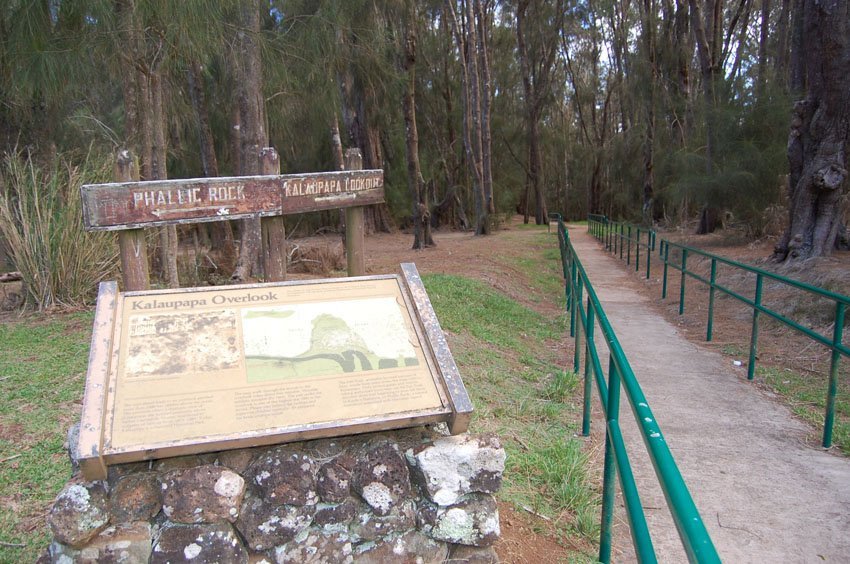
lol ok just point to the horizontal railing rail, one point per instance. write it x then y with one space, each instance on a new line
600 227
588 318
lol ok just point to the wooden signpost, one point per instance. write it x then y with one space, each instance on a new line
193 370
130 206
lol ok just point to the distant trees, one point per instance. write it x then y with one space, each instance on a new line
656 109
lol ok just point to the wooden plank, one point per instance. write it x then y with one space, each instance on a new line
90 446
132 245
355 232
128 205
273 230
281 435
460 402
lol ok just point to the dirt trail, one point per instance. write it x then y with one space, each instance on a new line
764 495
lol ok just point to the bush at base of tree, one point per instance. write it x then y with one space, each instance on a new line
42 222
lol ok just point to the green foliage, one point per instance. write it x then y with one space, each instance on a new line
42 365
41 220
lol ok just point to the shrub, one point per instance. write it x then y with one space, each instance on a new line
41 221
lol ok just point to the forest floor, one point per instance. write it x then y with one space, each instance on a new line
505 262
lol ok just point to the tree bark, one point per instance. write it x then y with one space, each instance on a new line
465 34
252 132
221 232
415 183
819 140
159 171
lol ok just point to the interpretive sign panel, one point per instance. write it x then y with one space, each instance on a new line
127 205
180 371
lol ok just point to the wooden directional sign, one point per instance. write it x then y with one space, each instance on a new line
129 205
175 372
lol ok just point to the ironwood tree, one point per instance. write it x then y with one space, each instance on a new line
819 140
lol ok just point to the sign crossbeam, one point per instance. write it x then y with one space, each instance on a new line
131 205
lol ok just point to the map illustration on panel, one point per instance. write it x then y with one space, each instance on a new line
345 336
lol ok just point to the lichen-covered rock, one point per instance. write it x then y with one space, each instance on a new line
400 519
286 476
79 513
204 494
463 554
135 497
381 477
451 467
334 479
198 543
409 548
265 524
473 521
335 515
124 543
316 547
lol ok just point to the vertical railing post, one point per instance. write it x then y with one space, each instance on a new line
577 306
572 297
650 246
622 232
832 389
709 331
682 284
609 489
589 346
637 251
629 247
751 366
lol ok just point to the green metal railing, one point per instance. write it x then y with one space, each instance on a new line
588 318
599 227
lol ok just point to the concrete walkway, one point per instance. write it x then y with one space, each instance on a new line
763 494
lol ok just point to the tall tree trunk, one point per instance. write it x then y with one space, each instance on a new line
159 171
764 34
648 24
483 26
819 141
221 232
415 183
465 37
252 131
782 61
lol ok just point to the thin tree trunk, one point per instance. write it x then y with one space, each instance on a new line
415 183
159 171
253 134
221 232
486 94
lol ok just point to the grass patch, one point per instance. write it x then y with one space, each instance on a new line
807 398
511 358
42 365
521 394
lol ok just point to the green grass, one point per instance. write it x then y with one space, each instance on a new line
511 358
806 395
42 367
523 395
